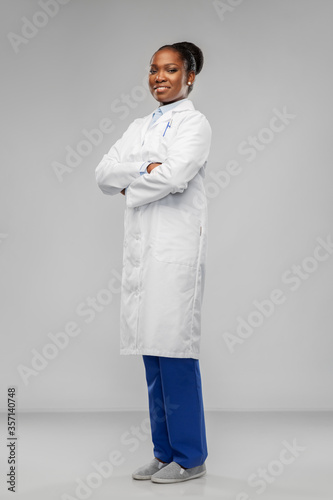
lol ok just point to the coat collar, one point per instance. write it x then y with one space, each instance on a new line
184 105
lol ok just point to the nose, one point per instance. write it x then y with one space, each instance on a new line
159 77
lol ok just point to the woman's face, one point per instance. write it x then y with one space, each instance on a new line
167 77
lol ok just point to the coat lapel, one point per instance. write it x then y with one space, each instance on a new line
183 106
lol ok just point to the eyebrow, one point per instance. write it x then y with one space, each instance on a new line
168 64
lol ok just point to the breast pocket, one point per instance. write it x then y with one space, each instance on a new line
156 144
177 236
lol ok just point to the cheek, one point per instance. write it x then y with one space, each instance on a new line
178 82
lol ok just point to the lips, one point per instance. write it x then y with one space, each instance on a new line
161 88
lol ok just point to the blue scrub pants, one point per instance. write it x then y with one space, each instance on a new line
176 410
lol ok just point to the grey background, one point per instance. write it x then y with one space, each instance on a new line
61 242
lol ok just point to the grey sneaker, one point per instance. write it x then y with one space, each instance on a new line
174 473
146 471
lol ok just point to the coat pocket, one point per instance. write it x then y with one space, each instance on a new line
177 236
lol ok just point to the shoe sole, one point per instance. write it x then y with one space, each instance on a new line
161 480
137 476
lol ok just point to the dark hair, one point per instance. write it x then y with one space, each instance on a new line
190 54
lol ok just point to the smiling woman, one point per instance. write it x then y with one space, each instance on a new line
169 79
159 165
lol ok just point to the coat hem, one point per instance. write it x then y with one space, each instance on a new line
153 352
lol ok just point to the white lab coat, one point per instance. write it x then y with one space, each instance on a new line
165 230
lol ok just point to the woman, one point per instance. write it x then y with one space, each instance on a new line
159 166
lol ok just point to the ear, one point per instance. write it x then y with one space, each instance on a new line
191 77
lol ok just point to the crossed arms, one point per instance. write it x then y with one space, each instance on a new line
186 155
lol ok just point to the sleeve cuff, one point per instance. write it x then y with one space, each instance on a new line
143 168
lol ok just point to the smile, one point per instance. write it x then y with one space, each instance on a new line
161 89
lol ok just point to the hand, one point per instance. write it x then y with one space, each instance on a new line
149 169
151 166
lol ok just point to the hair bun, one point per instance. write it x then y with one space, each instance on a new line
196 52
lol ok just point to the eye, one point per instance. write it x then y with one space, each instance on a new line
170 71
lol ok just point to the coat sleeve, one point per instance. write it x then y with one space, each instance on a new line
111 174
187 154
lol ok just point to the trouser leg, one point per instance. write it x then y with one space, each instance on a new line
184 410
158 423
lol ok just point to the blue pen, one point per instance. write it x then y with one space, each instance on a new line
168 125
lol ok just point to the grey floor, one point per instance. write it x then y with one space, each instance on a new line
248 457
